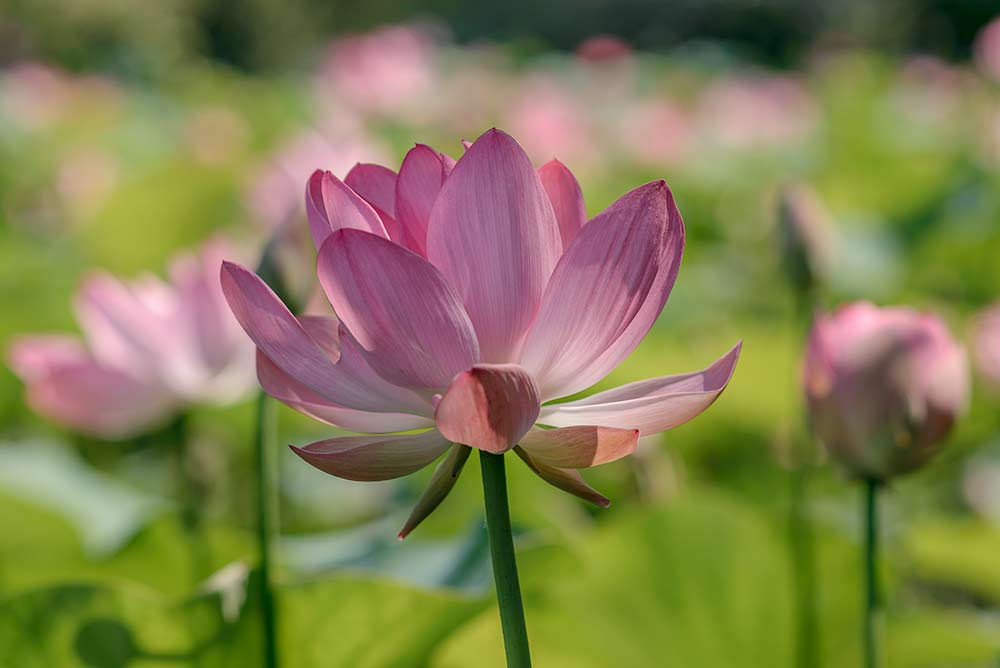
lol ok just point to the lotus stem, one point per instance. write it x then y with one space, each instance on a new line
265 518
871 592
515 632
188 496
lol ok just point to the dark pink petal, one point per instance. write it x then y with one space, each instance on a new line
280 336
568 480
100 400
579 447
494 236
368 458
489 407
399 308
607 290
331 205
567 199
286 389
377 185
420 179
32 357
650 406
444 479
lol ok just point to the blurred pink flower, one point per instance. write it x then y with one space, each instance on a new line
756 112
654 132
603 49
150 348
275 195
384 70
550 121
986 344
884 386
806 234
468 294
986 49
35 94
85 179
216 135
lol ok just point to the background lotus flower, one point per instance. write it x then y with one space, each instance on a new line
468 295
884 387
986 345
806 232
150 348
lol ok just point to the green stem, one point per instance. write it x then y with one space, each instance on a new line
265 516
800 528
872 601
515 632
189 496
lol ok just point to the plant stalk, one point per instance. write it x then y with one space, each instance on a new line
263 442
871 585
515 632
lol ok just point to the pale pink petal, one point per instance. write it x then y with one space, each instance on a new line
607 290
32 357
286 389
331 205
567 199
568 480
123 328
99 400
285 341
399 308
444 479
650 406
489 407
579 447
421 176
368 458
377 185
494 235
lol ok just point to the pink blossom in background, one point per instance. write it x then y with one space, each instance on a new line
986 345
986 49
85 179
150 348
275 194
884 386
550 120
755 112
217 135
35 95
604 49
654 132
382 71
469 294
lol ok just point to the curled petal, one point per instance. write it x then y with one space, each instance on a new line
607 290
444 479
489 407
286 389
650 406
369 458
420 179
377 185
331 205
567 199
579 447
494 236
568 480
399 308
296 351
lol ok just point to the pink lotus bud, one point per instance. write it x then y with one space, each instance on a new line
884 386
806 235
987 345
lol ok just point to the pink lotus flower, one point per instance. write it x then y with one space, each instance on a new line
987 344
884 386
470 295
151 348
986 49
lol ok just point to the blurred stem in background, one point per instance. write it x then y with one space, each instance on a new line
515 632
802 461
189 495
265 520
871 593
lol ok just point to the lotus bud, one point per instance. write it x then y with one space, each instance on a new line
884 387
806 234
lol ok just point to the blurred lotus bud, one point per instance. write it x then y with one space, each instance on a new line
884 387
986 344
286 264
806 235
